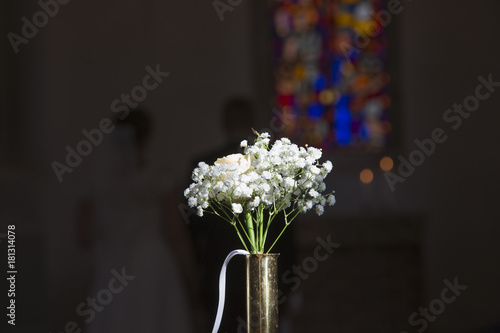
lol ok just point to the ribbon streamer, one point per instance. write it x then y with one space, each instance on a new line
222 287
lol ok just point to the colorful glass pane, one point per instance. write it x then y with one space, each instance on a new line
330 78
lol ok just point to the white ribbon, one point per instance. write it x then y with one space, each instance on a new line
222 287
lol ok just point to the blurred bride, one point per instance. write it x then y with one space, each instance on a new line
124 221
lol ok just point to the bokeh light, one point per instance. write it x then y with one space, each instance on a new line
366 176
386 163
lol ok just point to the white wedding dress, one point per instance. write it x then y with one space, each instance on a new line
129 235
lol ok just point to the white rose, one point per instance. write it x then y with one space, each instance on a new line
244 162
229 159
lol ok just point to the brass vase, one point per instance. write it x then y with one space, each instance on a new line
262 293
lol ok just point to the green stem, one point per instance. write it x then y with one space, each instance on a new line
241 238
251 231
222 209
267 229
286 225
244 230
261 229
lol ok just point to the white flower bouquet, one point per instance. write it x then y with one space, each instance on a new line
250 190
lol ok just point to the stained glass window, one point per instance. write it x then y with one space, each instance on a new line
330 77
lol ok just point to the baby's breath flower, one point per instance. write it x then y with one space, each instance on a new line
285 141
267 175
328 166
192 201
237 208
313 193
322 187
315 170
199 211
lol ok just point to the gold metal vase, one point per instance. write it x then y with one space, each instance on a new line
262 293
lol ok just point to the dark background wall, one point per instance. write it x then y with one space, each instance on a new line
65 78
